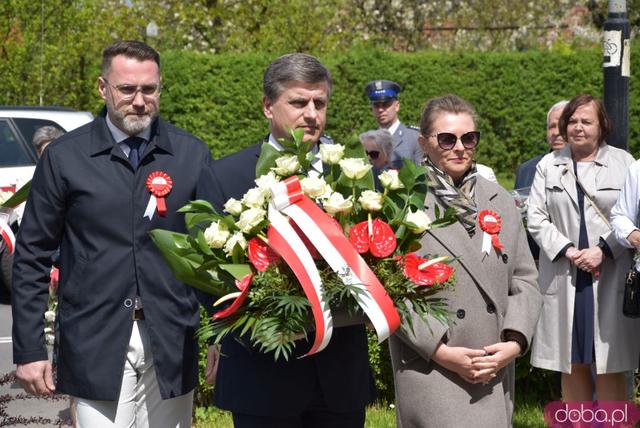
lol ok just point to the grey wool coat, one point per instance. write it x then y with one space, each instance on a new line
491 294
554 222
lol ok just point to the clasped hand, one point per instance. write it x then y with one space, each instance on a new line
588 260
476 365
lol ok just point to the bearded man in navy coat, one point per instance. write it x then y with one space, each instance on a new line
125 345
332 387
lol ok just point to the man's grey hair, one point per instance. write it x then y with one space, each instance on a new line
45 135
559 105
293 67
382 138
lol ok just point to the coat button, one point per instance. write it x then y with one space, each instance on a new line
460 313
128 303
491 308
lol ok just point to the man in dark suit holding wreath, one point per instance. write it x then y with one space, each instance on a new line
330 388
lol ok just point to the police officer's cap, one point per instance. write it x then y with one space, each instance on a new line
382 90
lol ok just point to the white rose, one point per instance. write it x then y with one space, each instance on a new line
370 200
336 203
286 165
48 330
250 218
418 221
254 198
313 187
233 207
331 153
354 168
266 181
236 239
216 235
390 180
50 316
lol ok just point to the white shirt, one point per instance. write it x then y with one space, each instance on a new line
486 172
624 214
393 128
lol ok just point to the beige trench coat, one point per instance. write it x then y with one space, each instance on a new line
554 221
491 294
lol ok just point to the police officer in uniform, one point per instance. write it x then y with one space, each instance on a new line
385 105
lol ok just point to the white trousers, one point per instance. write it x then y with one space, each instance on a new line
139 404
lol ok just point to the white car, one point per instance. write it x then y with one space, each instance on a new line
17 125
18 161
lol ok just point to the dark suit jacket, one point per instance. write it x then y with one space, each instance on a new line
250 382
524 178
526 172
87 199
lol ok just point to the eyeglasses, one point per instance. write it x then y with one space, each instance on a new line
130 91
447 140
373 154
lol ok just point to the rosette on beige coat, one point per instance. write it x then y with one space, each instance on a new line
491 294
554 221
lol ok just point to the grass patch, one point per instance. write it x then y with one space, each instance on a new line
527 415
380 416
211 417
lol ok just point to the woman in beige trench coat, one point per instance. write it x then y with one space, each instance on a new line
582 273
463 374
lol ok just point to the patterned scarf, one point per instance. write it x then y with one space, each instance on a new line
460 198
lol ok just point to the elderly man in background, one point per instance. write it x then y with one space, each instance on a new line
527 170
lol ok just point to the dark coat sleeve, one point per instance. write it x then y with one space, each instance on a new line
37 240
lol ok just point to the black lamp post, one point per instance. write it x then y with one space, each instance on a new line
616 68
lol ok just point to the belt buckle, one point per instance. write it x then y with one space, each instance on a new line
138 314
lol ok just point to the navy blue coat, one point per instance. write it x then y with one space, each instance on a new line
250 382
525 173
88 200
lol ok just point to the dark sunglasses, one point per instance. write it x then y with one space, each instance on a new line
447 140
373 154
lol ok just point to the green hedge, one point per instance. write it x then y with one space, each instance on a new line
218 97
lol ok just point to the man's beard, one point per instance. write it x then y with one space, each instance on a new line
132 124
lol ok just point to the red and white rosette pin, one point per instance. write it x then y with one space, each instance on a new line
159 184
490 223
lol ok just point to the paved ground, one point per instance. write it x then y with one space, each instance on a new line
17 409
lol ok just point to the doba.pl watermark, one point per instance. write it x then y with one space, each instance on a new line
584 414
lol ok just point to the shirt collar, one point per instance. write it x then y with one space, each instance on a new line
393 128
274 143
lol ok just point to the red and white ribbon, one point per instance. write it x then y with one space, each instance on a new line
336 249
7 235
491 224
159 184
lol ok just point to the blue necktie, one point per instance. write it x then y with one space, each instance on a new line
134 154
